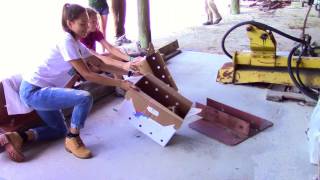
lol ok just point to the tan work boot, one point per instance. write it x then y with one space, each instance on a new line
12 142
75 146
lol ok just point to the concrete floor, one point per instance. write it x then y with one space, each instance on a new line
122 152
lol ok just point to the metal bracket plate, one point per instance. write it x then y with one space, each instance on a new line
227 124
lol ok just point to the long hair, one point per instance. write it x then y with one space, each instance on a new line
71 12
91 12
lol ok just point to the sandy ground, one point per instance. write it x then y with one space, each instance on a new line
208 38
25 37
183 21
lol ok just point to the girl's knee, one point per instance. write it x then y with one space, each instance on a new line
86 97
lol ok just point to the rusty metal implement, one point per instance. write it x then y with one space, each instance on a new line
227 124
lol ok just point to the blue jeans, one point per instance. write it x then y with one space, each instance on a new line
49 102
103 11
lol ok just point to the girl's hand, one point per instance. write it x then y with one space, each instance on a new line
136 63
136 73
127 66
94 68
134 66
130 66
138 59
127 85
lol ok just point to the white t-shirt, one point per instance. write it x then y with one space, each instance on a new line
55 70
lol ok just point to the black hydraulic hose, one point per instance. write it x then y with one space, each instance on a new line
302 88
298 71
303 50
305 21
308 91
259 25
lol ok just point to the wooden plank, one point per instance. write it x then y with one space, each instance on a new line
171 55
170 50
279 96
3 110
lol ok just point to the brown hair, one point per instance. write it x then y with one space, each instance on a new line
91 12
71 12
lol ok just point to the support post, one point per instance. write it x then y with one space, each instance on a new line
235 7
144 23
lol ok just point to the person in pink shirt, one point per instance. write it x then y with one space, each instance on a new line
113 55
95 35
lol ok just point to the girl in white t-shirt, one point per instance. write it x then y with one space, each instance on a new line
44 89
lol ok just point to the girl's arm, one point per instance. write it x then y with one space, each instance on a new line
110 63
82 68
115 51
117 68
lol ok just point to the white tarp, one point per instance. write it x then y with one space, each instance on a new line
11 87
314 135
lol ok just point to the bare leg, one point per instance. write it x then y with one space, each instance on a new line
104 21
115 5
122 17
209 14
74 131
103 28
214 11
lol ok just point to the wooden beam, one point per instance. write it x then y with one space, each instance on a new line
170 50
